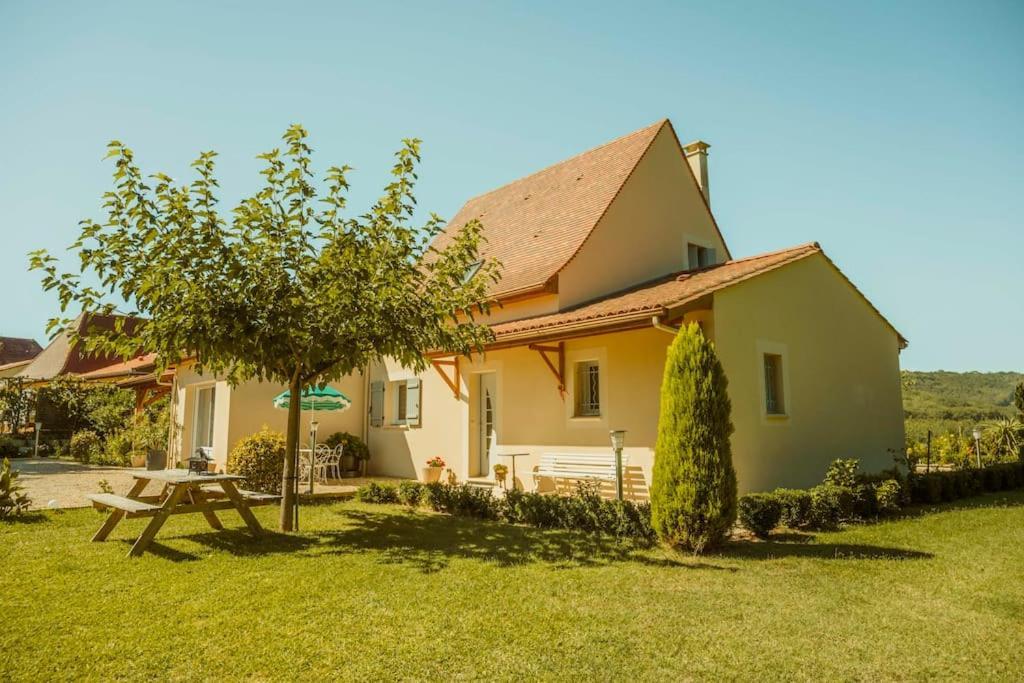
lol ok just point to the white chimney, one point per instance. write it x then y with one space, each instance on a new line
697 156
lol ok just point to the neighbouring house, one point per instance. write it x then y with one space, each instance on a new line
603 257
16 353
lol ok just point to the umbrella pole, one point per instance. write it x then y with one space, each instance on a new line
312 443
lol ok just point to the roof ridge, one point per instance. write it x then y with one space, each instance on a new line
574 157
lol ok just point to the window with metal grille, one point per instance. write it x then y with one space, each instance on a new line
773 399
588 389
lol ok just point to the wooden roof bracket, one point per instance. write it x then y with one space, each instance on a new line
454 381
559 354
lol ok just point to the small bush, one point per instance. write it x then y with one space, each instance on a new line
410 492
759 513
9 447
260 459
117 450
377 493
865 501
13 500
830 505
795 506
889 497
84 446
842 473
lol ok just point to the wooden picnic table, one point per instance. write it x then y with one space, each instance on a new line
182 494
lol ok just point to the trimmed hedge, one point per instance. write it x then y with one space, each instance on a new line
585 510
870 497
760 513
259 458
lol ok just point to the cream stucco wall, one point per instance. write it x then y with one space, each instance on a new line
842 390
643 234
242 410
841 375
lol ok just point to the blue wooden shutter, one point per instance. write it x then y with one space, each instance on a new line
376 404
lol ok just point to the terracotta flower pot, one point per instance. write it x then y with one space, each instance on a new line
431 474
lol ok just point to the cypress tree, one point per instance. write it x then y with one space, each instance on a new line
693 494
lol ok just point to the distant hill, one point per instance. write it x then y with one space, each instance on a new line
944 401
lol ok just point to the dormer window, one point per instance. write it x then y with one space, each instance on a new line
699 257
471 270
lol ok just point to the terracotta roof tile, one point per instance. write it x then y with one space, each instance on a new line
137 365
534 225
655 297
16 349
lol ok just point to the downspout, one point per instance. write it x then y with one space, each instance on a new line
365 465
658 325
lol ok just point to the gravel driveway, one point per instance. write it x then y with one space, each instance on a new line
67 482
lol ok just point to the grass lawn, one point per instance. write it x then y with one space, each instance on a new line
377 592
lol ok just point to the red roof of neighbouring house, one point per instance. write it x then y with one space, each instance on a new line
535 225
65 356
17 349
635 306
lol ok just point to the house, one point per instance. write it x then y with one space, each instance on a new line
15 354
604 256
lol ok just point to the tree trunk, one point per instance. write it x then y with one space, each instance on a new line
291 454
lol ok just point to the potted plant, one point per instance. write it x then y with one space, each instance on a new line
432 472
500 474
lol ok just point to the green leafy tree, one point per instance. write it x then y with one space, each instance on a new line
289 288
16 402
693 492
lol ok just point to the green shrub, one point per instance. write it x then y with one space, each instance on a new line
117 450
373 492
693 492
9 447
259 458
84 446
842 473
534 509
795 507
759 513
830 505
463 500
889 497
865 501
353 446
13 500
410 492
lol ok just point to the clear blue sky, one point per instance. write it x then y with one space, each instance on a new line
892 133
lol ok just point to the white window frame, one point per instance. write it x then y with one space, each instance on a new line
582 371
196 391
573 358
397 389
773 348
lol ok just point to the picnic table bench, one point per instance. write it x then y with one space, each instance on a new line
183 493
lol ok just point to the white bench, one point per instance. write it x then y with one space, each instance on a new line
578 466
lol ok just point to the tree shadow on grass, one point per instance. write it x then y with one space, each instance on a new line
430 542
998 499
795 544
237 542
33 517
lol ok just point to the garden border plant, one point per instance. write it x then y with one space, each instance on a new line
583 510
850 496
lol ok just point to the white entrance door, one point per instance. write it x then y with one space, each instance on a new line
488 436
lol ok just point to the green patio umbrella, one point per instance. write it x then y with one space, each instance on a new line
313 398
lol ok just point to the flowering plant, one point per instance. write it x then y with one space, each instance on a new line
436 461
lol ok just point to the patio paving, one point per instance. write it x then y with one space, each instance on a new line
66 481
